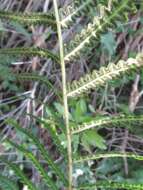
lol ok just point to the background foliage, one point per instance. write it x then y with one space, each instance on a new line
23 94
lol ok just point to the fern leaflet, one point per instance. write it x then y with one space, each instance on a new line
104 75
37 77
36 163
43 53
7 184
115 121
29 18
42 150
48 125
108 155
19 174
80 7
111 185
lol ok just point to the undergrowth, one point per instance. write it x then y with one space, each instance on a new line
74 126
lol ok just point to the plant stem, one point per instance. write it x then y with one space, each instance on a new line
65 100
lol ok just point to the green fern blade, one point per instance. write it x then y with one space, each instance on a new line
94 30
105 74
37 77
36 163
7 184
42 150
43 53
19 174
29 18
115 121
48 125
111 185
82 8
108 155
34 77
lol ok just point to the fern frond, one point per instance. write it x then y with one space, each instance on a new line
29 18
106 121
104 75
7 184
111 185
39 78
79 8
108 155
19 174
42 150
48 125
34 77
93 31
36 163
43 53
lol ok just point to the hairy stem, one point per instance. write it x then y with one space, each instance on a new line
65 101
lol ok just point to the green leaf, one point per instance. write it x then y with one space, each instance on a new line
108 42
92 138
59 107
81 108
79 114
91 108
40 147
36 163
75 143
48 111
7 184
19 174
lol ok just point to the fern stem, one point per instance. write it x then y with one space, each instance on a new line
65 100
109 155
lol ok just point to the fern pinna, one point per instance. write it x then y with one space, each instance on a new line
81 44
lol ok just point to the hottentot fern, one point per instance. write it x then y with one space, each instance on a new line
83 42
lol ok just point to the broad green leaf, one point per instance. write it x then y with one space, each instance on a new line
60 109
92 139
80 111
81 106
